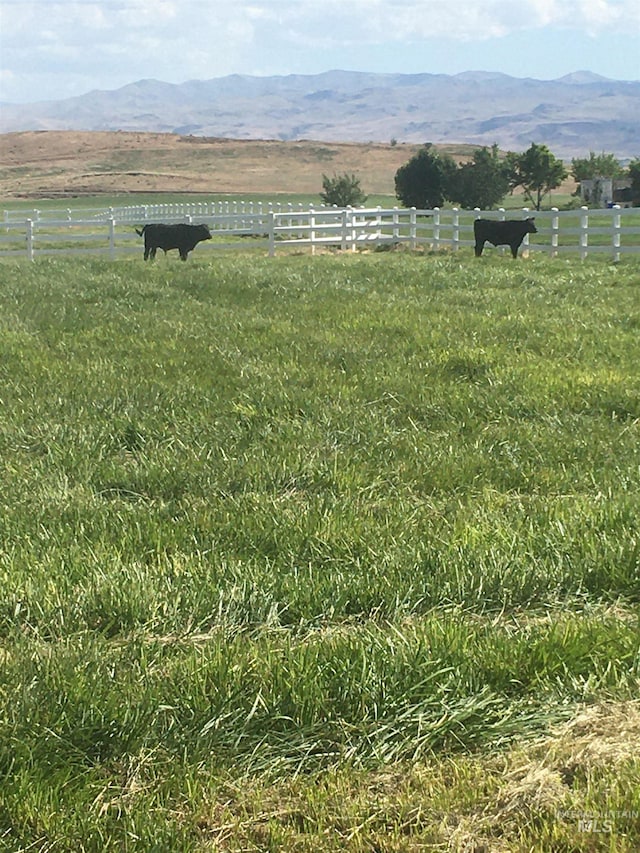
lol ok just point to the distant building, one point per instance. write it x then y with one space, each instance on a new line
605 192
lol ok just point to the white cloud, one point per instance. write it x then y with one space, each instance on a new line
398 20
590 16
83 44
337 20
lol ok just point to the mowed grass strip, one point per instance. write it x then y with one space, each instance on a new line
262 517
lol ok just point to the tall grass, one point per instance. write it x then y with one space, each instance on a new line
276 516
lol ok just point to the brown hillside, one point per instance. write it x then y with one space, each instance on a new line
38 164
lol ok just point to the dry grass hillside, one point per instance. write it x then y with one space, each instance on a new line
38 164
59 164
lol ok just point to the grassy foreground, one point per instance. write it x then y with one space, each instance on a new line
320 554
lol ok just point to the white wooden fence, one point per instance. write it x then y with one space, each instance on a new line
613 231
141 213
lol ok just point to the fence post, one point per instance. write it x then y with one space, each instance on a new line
584 232
455 234
476 215
503 216
112 237
343 229
396 229
271 222
555 228
525 242
353 224
436 228
312 233
413 229
29 225
615 227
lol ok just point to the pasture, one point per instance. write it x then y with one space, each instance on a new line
333 553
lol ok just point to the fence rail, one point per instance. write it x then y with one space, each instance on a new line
613 231
141 213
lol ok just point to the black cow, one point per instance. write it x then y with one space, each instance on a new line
182 237
508 233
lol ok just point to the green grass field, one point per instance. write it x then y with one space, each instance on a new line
103 201
320 554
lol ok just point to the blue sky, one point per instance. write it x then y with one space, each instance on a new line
52 49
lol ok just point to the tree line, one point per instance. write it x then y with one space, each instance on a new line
430 178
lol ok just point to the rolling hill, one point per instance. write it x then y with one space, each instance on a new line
573 115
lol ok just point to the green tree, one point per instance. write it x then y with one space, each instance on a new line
426 180
537 171
342 191
634 175
483 182
596 166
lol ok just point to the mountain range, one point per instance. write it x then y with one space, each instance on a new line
573 115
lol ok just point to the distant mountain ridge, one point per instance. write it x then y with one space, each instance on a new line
573 115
